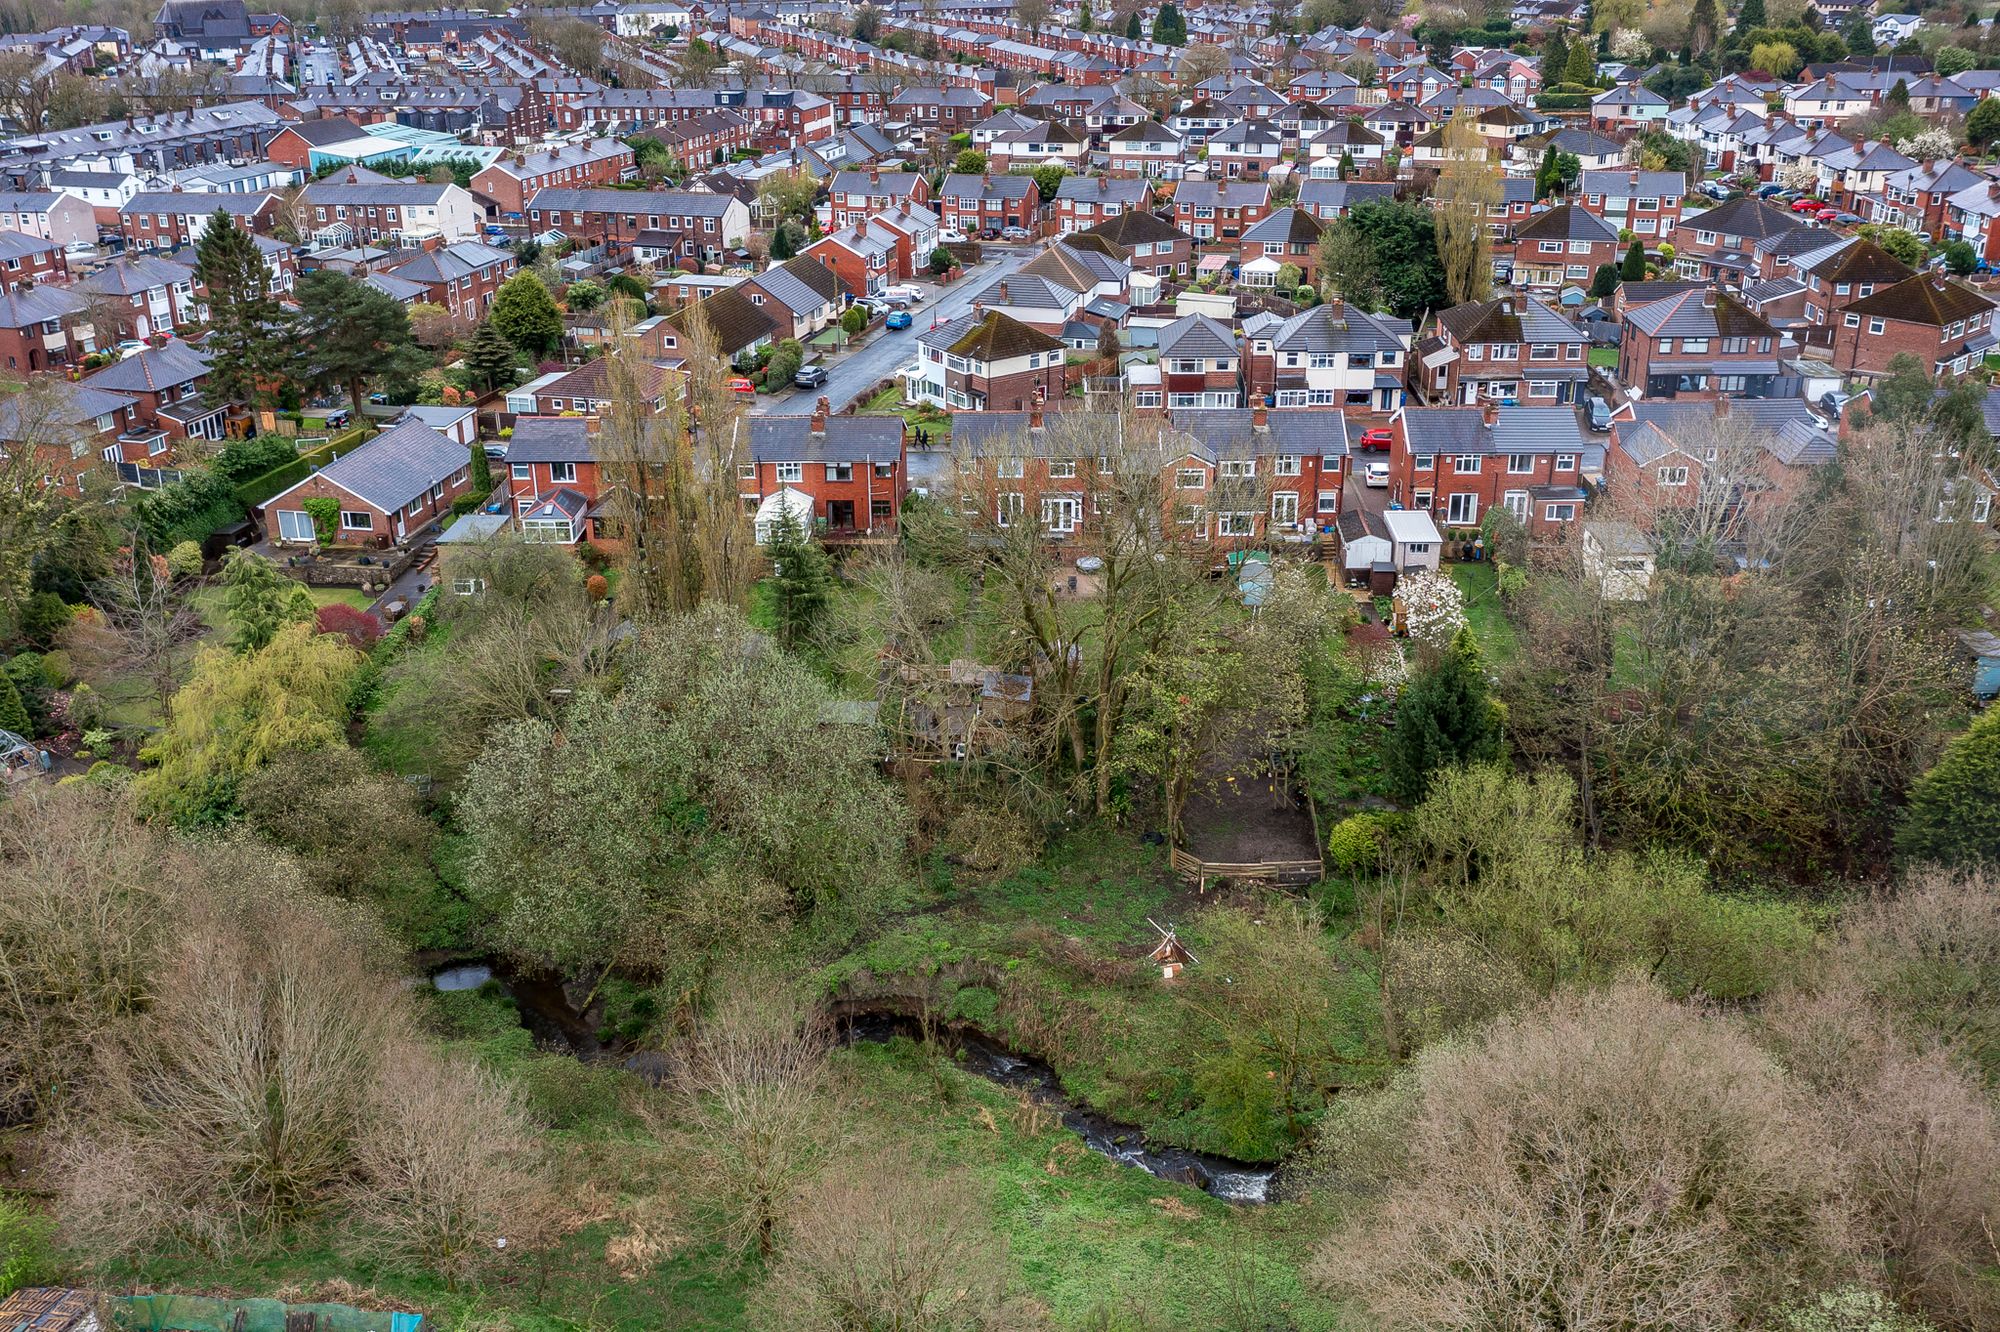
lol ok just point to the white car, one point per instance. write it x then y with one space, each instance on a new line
1376 475
904 292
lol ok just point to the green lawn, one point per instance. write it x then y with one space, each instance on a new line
1497 639
1603 358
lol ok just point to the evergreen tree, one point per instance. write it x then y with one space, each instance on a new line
1750 17
1954 812
1899 97
526 314
1704 26
355 333
482 470
1169 28
1443 719
1346 165
1859 34
13 712
1982 127
257 597
1604 282
489 358
1582 67
781 243
1084 22
801 578
1548 176
1133 30
250 348
1634 269
1555 59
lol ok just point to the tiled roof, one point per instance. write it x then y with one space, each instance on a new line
850 439
992 336
1508 319
153 369
397 465
1197 335
1934 301
551 439
1567 222
1514 430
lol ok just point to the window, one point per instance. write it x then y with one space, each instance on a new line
791 473
1673 476
522 471
465 587
357 521
1286 464
1851 321
1061 514
1236 524
1476 352
1519 464
1059 471
561 472
1466 464
1012 468
1423 462
1009 509
547 531
1190 478
840 471
1565 462
1875 327
1285 506
1238 469
1694 346
1559 513
1462 508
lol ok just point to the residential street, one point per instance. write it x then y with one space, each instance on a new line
853 373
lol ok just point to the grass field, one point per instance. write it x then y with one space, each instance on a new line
1497 639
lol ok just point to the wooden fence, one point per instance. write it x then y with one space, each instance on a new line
1201 872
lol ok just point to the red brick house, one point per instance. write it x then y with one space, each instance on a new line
852 469
863 257
295 144
1945 324
855 196
511 181
1647 203
170 219
553 481
390 488
75 435
1458 463
1698 344
145 298
1220 210
1509 350
1287 236
1201 364
987 361
1562 247
1084 201
977 205
165 386
30 261
1739 453
462 278
39 329
1150 243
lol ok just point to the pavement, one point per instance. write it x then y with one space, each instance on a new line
854 372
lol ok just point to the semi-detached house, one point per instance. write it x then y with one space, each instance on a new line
1459 463
346 210
1509 350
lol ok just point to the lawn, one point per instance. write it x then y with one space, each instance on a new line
1497 639
889 402
1602 358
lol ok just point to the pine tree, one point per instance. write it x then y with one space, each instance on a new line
247 341
1169 28
355 333
1634 268
482 471
1133 30
1954 812
801 577
257 597
1899 97
1443 719
489 358
1704 26
1750 17
1582 67
1555 59
1604 282
781 243
1084 22
13 712
1346 165
1548 176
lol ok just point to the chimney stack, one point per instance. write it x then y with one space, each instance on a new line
1722 406
820 411
1034 418
1490 413
1104 185
1259 416
1634 178
1003 291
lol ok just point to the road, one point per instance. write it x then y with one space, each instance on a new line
856 372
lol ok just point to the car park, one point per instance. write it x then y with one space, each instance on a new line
1376 440
1376 475
897 320
810 377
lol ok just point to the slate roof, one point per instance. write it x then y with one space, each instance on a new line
1687 316
681 203
849 439
545 439
1198 335
153 369
1747 218
1291 225
1137 228
1514 430
1862 262
1232 433
1785 427
396 466
36 305
1344 194
1934 301
967 186
1566 223
737 323
800 284
79 403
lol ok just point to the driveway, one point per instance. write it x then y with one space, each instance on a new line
856 371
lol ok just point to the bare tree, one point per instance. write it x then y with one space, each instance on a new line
24 89
147 625
751 1100
446 1166
650 470
719 426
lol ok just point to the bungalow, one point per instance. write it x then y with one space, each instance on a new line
389 488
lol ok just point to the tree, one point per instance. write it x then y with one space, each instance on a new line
781 243
1197 65
786 358
1169 28
1582 66
257 596
252 350
1704 26
27 1247
1634 267
1548 177
853 320
1385 253
146 625
1952 817
1031 14
1954 60
801 579
1902 246
1749 18
1085 22
1859 34
1960 257
1555 59
788 196
867 24
36 424
1346 165
942 261
1132 27
970 162
526 315
1982 126
1443 719
583 297
353 333
236 713
13 712
1898 98
1778 59
1604 282
490 360
1048 179
1494 1166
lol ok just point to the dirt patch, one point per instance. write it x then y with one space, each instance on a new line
1241 813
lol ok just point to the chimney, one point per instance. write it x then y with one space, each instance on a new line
1104 185
1259 418
1336 310
1708 298
1490 413
1633 179
1034 418
1722 406
1993 189
1003 292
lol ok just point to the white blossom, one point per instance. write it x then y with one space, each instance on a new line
1433 608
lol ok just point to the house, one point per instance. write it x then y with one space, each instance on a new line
986 361
1149 149
1329 356
1944 323
855 196
165 386
168 220
72 430
1698 344
29 261
309 145
144 297
462 277
1507 350
802 296
39 329
1646 203
1056 285
1457 463
1743 453
1288 237
664 223
1562 247
851 470
1269 475
1329 199
553 480
1716 245
62 218
1035 144
1220 210
1630 106
1149 243
863 257
586 390
345 210
1246 150
1893 29
986 205
1084 201
511 181
1201 365
389 488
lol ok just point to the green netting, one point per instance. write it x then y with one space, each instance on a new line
199 1313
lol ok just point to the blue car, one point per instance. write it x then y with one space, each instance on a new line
898 319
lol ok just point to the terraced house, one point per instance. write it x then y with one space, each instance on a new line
1457 463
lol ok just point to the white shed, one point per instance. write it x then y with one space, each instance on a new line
1416 541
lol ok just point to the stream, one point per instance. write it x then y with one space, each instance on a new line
547 1013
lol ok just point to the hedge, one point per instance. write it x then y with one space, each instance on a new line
187 510
1563 101
263 486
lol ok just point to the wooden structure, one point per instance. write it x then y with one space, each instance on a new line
1172 955
1202 872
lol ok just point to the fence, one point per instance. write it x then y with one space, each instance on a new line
1201 872
198 1313
147 478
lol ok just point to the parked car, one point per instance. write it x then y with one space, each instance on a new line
1015 233
904 291
1826 215
1375 475
739 384
129 347
1807 204
1848 219
1376 440
1600 412
1767 191
810 377
898 320
338 419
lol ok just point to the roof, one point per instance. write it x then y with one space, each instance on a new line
849 439
681 203
1336 328
1689 315
1506 320
1233 432
1930 300
1567 222
1198 335
151 370
736 321
396 466
960 185
1514 430
992 336
1294 226
1748 218
547 439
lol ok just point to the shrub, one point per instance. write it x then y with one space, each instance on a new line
324 510
27 1247
597 587
1355 843
358 627
184 560
1952 817
43 617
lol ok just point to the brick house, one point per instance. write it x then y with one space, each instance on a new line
1457 463
553 480
165 386
863 257
1201 365
1035 144
1509 350
1246 150
1287 236
977 205
986 361
855 196
390 488
296 144
511 181
1329 199
1332 355
144 297
30 261
1648 203
1699 344
586 390
39 329
75 435
1147 149
1716 245
853 469
1944 323
952 109
802 296
347 210
1084 201
1562 247
462 277
170 219
1150 243
1220 210
633 220
1738 452
1829 283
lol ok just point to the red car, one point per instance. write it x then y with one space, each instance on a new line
1378 440
1826 215
738 384
1807 205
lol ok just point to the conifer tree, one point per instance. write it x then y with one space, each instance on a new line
1634 269
1954 812
249 344
1445 718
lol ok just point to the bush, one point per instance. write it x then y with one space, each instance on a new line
1953 818
188 510
43 618
597 587
184 560
358 627
854 320
241 459
27 1247
1355 843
